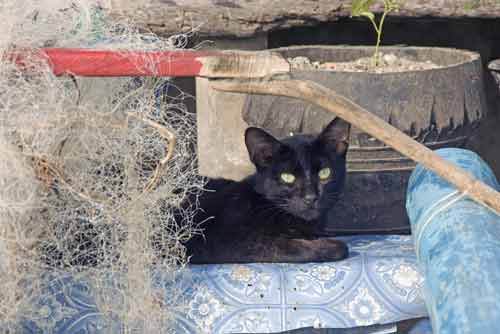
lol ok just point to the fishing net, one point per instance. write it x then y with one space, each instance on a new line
92 172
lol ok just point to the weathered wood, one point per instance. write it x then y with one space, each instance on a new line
244 18
373 125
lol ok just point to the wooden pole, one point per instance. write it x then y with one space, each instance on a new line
361 118
238 65
127 63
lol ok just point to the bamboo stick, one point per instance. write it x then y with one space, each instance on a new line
358 116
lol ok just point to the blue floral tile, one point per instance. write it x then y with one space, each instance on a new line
319 284
317 317
401 280
378 284
246 283
363 307
255 320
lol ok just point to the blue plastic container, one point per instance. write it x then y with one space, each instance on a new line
458 248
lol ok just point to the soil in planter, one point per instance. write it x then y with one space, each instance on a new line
388 63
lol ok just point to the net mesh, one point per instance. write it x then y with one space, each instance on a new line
92 172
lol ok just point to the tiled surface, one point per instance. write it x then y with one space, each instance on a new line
378 283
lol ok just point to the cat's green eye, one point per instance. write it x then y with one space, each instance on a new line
287 177
325 173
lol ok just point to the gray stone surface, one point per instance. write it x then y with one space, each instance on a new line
244 18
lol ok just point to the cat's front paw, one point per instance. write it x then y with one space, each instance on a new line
331 250
317 250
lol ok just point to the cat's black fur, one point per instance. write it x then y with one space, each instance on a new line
263 219
259 219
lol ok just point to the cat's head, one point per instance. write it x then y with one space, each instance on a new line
302 174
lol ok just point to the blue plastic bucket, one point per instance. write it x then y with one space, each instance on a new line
457 242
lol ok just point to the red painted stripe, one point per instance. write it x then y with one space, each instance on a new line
107 63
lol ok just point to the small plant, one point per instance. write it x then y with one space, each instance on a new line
362 8
476 4
473 4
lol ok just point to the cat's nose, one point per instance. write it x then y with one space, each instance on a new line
310 198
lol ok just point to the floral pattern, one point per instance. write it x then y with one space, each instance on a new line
50 311
251 281
402 278
316 322
324 272
378 284
406 276
242 273
253 322
205 308
364 309
316 279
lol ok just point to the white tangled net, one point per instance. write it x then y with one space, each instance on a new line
90 173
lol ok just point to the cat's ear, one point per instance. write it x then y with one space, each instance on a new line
261 146
335 136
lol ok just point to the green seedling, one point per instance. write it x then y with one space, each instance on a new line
477 4
362 8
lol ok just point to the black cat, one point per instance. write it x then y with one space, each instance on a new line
274 215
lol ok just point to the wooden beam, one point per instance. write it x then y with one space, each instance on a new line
358 116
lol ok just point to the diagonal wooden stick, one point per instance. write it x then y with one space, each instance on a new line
358 116
245 65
